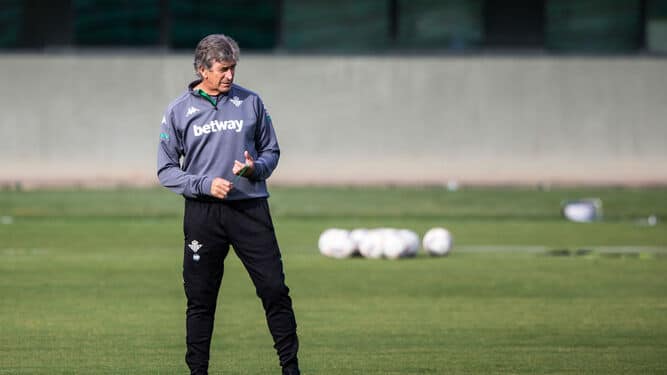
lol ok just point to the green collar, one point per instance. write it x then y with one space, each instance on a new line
209 98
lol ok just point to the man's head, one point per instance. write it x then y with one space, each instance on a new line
215 62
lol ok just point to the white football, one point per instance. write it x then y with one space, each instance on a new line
583 211
437 241
372 244
411 240
393 245
336 243
357 236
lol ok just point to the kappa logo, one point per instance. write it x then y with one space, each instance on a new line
236 101
191 111
195 246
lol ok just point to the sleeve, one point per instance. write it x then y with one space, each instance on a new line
169 172
266 144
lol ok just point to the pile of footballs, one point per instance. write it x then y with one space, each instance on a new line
389 243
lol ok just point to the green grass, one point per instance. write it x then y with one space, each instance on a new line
90 283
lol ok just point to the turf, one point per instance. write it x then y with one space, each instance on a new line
90 284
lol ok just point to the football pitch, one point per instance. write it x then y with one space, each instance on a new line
90 283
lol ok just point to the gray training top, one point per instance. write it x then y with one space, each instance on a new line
209 136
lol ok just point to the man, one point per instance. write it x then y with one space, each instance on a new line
204 134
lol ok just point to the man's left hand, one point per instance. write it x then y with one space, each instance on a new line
249 162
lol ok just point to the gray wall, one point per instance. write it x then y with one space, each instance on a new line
94 119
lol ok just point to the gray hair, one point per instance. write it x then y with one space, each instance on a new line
215 47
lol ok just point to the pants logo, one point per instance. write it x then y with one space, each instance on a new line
195 246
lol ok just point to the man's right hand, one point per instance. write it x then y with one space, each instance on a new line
220 187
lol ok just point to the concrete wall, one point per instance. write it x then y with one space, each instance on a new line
94 119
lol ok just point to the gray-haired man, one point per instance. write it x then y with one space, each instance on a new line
204 133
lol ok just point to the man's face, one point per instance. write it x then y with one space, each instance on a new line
218 79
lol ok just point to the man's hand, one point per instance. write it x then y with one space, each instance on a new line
249 162
220 187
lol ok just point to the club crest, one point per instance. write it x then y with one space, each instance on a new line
236 101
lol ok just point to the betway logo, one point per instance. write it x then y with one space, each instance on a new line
215 126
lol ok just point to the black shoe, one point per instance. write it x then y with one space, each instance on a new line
291 370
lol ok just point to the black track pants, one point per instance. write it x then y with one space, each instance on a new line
209 228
